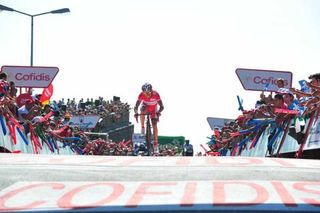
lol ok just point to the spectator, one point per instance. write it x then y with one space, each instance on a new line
66 119
291 102
46 109
4 86
279 102
187 149
12 89
28 111
281 83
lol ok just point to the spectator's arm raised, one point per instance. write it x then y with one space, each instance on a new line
299 92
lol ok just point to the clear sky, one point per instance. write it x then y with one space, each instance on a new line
187 49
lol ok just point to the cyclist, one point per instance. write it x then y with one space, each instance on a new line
150 100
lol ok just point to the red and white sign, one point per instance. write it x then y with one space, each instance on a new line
24 76
263 80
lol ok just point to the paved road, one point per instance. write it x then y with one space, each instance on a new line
158 184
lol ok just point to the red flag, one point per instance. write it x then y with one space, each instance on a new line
46 94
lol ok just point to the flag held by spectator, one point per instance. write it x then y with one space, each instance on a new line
46 94
240 102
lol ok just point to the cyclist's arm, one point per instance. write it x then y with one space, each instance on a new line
136 106
161 106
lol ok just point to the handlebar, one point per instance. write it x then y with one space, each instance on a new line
137 114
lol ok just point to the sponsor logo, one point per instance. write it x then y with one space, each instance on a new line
289 196
263 80
270 80
32 77
36 77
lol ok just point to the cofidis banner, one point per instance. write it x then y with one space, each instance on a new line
263 80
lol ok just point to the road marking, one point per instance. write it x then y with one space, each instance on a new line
170 195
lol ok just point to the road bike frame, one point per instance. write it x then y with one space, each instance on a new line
148 133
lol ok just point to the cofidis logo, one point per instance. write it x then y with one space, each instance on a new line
24 76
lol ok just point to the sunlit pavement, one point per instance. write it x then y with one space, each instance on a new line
161 184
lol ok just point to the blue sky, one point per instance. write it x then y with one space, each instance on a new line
188 50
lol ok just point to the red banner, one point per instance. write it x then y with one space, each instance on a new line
46 94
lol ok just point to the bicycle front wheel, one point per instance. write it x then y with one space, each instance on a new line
148 137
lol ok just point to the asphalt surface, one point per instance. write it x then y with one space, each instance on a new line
46 183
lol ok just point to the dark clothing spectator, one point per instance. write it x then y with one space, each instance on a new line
187 149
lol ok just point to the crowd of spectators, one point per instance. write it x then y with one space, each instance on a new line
51 122
288 106
105 108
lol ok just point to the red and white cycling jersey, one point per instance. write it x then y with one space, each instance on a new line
151 101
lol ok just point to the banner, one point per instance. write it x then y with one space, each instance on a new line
263 80
218 122
172 140
84 121
34 76
46 94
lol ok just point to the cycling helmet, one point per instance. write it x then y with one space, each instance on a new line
147 87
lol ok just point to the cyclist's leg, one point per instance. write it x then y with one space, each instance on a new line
155 132
143 110
154 121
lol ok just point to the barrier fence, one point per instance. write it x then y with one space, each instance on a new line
14 140
267 138
264 138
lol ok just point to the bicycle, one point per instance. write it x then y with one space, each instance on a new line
148 133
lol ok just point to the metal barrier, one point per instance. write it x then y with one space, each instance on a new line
281 141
